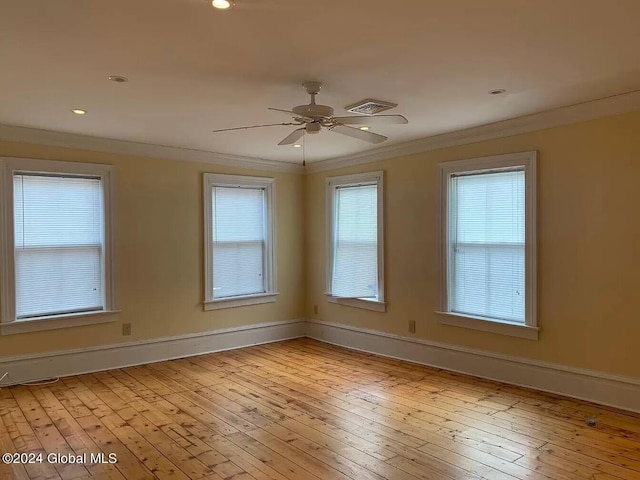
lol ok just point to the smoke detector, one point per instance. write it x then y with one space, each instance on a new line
370 106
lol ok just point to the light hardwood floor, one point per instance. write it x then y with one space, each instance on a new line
305 410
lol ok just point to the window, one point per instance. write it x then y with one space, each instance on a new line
355 273
488 241
239 241
57 253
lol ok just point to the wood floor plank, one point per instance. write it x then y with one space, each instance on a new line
74 434
275 460
613 439
46 432
348 460
299 414
194 456
598 465
253 465
19 432
323 405
304 410
601 450
483 461
350 397
10 471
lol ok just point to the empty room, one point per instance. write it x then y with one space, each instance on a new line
297 240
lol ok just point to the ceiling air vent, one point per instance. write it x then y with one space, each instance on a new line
370 106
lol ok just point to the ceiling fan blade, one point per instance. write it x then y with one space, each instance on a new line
371 120
293 137
359 134
254 126
293 114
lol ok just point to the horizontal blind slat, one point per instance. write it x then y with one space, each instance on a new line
239 241
355 268
59 244
487 246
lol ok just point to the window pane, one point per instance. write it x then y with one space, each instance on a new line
489 282
490 207
58 280
239 240
487 249
355 268
237 269
59 225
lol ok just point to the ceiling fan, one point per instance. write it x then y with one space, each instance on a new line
313 117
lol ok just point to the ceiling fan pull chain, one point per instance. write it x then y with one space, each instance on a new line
304 149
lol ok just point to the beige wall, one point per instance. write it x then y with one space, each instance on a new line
159 253
588 249
588 246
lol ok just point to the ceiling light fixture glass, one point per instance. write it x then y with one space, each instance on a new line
221 4
297 145
364 128
118 78
79 111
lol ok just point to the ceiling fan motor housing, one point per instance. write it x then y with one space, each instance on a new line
314 111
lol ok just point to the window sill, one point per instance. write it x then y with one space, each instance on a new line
58 321
493 326
240 301
359 303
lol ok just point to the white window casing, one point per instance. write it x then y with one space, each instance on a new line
239 236
488 244
355 243
57 252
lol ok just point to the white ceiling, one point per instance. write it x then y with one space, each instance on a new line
193 68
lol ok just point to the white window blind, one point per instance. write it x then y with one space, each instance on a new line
487 245
59 244
355 256
239 241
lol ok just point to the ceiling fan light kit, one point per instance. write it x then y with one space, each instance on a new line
221 4
312 117
118 78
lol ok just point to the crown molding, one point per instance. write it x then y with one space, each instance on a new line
581 112
85 142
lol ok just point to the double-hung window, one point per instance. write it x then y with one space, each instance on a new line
57 251
355 269
239 240
488 244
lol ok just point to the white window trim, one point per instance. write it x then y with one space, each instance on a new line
62 321
9 325
331 184
211 180
523 159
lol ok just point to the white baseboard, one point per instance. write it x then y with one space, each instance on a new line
30 368
598 387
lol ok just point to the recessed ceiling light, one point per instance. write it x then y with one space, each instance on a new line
297 145
497 91
364 128
118 78
221 4
79 111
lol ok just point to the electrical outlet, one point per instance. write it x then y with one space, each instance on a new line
315 309
412 326
126 329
